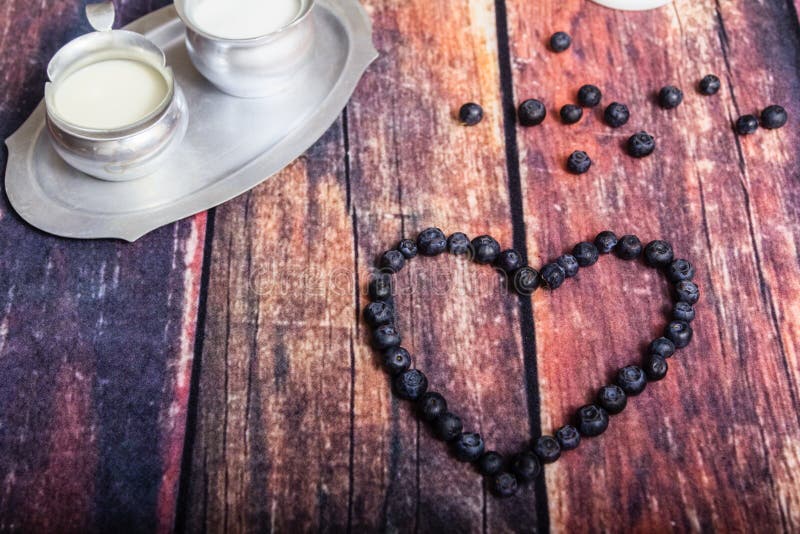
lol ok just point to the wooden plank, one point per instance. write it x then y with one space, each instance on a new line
723 424
296 423
96 338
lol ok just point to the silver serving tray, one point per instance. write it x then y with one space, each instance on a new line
232 144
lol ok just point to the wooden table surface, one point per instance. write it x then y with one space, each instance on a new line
215 375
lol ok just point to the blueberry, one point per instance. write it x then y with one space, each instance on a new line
589 96
586 254
381 287
605 242
560 41
612 399
470 114
468 447
526 466
746 124
662 347
396 360
680 270
683 311
773 117
632 380
407 248
569 264
568 437
447 426
509 261
547 449
431 406
629 247
655 367
526 280
687 292
670 97
658 253
505 485
592 420
680 333
458 243
431 242
640 145
379 313
616 115
490 463
385 336
411 384
578 162
392 260
485 248
531 112
553 275
709 85
570 114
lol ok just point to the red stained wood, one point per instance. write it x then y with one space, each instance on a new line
293 425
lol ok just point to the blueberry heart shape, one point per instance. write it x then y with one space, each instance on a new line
590 420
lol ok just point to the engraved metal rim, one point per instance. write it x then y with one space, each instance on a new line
308 5
41 211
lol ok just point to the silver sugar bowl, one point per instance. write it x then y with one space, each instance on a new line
249 67
119 152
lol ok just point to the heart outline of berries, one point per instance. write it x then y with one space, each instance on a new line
591 420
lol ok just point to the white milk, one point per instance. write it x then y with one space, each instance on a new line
242 19
109 94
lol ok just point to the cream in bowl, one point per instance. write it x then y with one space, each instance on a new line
248 48
114 110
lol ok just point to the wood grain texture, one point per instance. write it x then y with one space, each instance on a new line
96 338
292 425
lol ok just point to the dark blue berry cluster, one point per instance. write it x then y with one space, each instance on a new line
591 420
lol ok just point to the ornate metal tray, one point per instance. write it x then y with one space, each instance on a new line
231 145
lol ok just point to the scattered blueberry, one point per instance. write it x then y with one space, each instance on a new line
746 124
629 247
773 117
470 114
616 115
709 85
589 96
640 145
578 162
560 41
531 112
570 114
670 97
